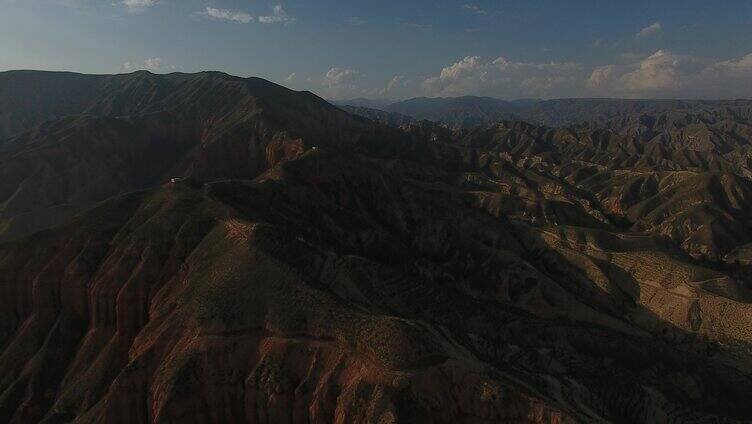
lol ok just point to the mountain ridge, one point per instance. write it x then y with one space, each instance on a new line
205 113
468 111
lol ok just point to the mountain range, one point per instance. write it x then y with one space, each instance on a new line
208 248
469 111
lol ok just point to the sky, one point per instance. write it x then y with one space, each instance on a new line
386 49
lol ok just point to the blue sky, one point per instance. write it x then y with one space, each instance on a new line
399 49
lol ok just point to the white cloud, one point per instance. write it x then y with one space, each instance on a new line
292 77
741 68
138 5
729 78
151 64
662 70
278 16
474 8
395 82
342 82
667 74
662 74
649 30
229 15
600 76
338 76
505 78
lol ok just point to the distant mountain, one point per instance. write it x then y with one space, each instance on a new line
470 111
563 112
364 103
206 248
457 111
380 116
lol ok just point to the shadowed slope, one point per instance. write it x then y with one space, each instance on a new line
133 131
317 267
228 301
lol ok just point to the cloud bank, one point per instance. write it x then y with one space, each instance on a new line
667 74
504 77
660 74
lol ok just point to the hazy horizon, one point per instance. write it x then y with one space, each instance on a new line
392 50
387 101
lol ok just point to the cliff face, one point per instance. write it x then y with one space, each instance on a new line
314 267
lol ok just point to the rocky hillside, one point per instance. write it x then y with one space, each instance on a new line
97 136
312 266
386 118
